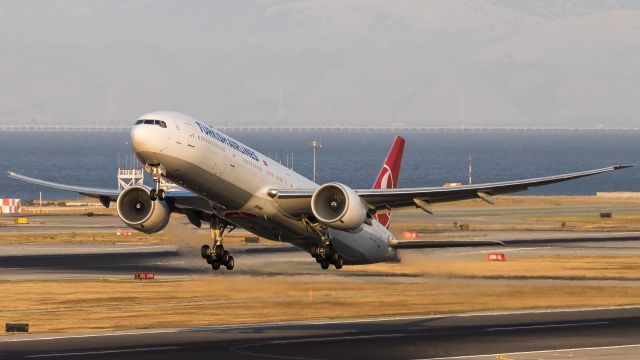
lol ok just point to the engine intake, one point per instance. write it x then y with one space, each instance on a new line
338 206
136 209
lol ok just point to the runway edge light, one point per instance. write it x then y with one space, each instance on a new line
496 257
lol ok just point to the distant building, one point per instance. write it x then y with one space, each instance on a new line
10 206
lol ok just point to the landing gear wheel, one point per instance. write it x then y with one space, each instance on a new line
152 195
218 251
324 264
338 264
161 194
215 265
318 259
217 256
204 251
229 264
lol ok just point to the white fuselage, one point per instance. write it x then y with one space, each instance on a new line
236 180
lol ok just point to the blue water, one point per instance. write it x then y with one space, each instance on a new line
354 158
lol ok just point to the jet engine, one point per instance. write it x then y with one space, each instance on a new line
136 209
338 206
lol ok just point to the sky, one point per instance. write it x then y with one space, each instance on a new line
568 63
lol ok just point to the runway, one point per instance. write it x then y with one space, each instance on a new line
83 261
51 261
122 260
612 333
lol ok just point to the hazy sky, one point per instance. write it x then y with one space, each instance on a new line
422 62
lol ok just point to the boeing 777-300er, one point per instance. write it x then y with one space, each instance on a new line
228 184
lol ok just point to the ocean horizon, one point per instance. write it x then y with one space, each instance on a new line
91 158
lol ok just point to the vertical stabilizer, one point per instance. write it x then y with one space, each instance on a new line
388 175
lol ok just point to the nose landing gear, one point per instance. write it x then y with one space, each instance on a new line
157 171
156 194
217 256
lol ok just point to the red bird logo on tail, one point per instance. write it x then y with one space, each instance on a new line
388 175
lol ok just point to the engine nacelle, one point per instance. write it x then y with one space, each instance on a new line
136 209
338 206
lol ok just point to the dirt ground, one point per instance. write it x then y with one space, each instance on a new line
73 306
568 267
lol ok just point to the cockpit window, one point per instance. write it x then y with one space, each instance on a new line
160 123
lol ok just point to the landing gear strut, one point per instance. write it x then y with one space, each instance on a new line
217 256
156 172
327 255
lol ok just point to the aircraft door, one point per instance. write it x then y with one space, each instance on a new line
179 135
232 165
191 136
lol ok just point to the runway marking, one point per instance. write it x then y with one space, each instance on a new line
313 323
537 352
58 251
103 352
333 338
242 348
545 326
501 250
94 266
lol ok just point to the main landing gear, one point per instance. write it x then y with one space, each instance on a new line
327 255
217 256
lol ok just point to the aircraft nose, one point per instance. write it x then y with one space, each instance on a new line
139 139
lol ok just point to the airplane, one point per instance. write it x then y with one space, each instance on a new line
229 185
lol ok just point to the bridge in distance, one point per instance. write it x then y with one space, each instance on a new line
231 129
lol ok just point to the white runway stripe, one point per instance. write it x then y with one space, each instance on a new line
536 352
545 326
102 352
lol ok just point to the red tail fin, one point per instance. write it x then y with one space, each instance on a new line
388 176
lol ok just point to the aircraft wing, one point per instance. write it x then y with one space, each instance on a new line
111 194
297 202
181 199
435 244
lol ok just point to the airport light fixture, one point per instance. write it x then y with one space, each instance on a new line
315 145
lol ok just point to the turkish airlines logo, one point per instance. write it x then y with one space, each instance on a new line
387 179
386 182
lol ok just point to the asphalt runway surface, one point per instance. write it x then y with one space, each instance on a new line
62 224
87 261
588 334
122 260
72 260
